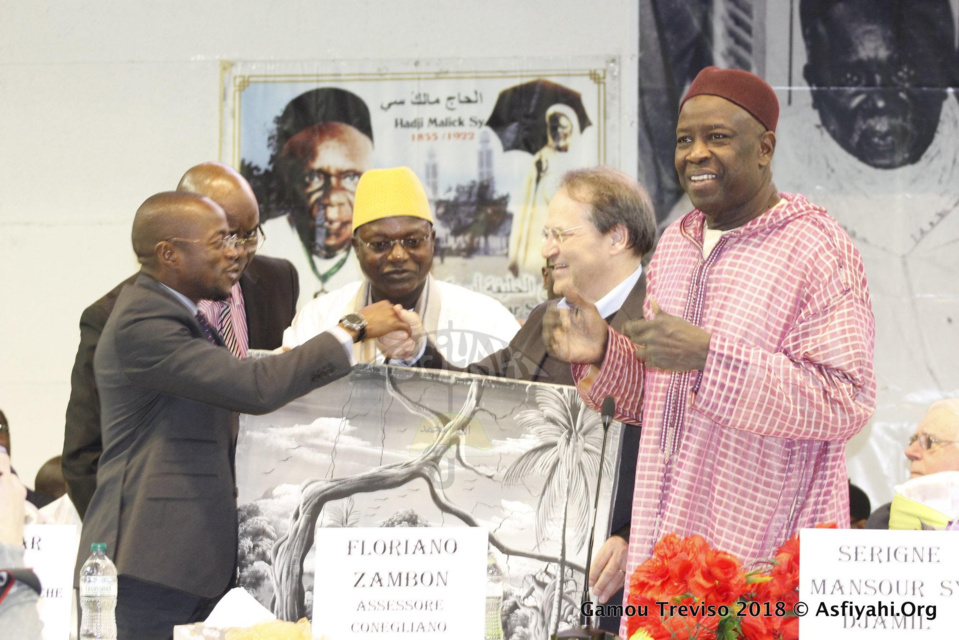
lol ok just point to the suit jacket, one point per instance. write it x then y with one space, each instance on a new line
270 290
165 501
879 519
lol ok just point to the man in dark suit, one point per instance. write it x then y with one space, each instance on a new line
165 502
261 305
599 226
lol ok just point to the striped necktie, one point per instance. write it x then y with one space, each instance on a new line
225 325
207 329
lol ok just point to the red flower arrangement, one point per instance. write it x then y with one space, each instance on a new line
688 590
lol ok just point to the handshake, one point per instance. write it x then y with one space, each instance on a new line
398 332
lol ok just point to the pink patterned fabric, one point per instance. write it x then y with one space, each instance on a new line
211 310
752 449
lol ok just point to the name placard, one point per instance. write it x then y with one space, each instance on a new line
51 550
400 582
868 584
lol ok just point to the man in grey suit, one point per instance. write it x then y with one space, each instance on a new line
165 502
263 302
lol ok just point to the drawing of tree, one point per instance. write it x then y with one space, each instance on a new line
567 452
291 549
343 515
256 537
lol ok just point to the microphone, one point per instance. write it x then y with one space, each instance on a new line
586 629
607 411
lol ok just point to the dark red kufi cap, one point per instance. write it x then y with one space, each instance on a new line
742 88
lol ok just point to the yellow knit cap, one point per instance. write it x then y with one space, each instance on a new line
382 193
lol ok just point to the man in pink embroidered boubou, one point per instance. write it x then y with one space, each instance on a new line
753 365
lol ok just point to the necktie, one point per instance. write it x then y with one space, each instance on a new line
225 325
207 329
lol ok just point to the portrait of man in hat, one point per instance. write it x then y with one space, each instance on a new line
321 145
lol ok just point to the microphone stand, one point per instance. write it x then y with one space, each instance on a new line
586 628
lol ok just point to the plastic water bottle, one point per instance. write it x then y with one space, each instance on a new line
98 596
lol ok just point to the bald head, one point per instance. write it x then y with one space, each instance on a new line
171 214
945 410
181 239
226 187
941 426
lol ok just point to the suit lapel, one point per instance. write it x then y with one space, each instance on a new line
152 284
250 285
632 308
556 371
546 369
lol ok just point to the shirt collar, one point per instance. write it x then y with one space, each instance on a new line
189 304
614 299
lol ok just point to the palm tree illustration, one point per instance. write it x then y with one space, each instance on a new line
567 453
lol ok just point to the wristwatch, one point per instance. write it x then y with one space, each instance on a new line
355 322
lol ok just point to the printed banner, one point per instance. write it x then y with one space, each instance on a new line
869 130
489 140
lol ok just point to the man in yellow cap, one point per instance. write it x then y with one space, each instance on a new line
394 240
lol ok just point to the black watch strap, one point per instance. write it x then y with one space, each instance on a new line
355 322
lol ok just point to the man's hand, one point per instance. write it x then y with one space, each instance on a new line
381 319
402 345
12 498
668 342
577 334
607 575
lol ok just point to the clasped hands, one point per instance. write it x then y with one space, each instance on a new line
662 341
398 331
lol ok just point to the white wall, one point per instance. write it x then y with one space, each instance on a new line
105 102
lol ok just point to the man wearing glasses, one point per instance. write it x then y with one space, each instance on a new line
932 449
165 501
394 240
599 226
260 306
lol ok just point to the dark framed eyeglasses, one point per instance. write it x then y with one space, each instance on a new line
927 441
411 243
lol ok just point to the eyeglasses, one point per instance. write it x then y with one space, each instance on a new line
927 441
559 235
219 244
252 240
315 179
385 246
